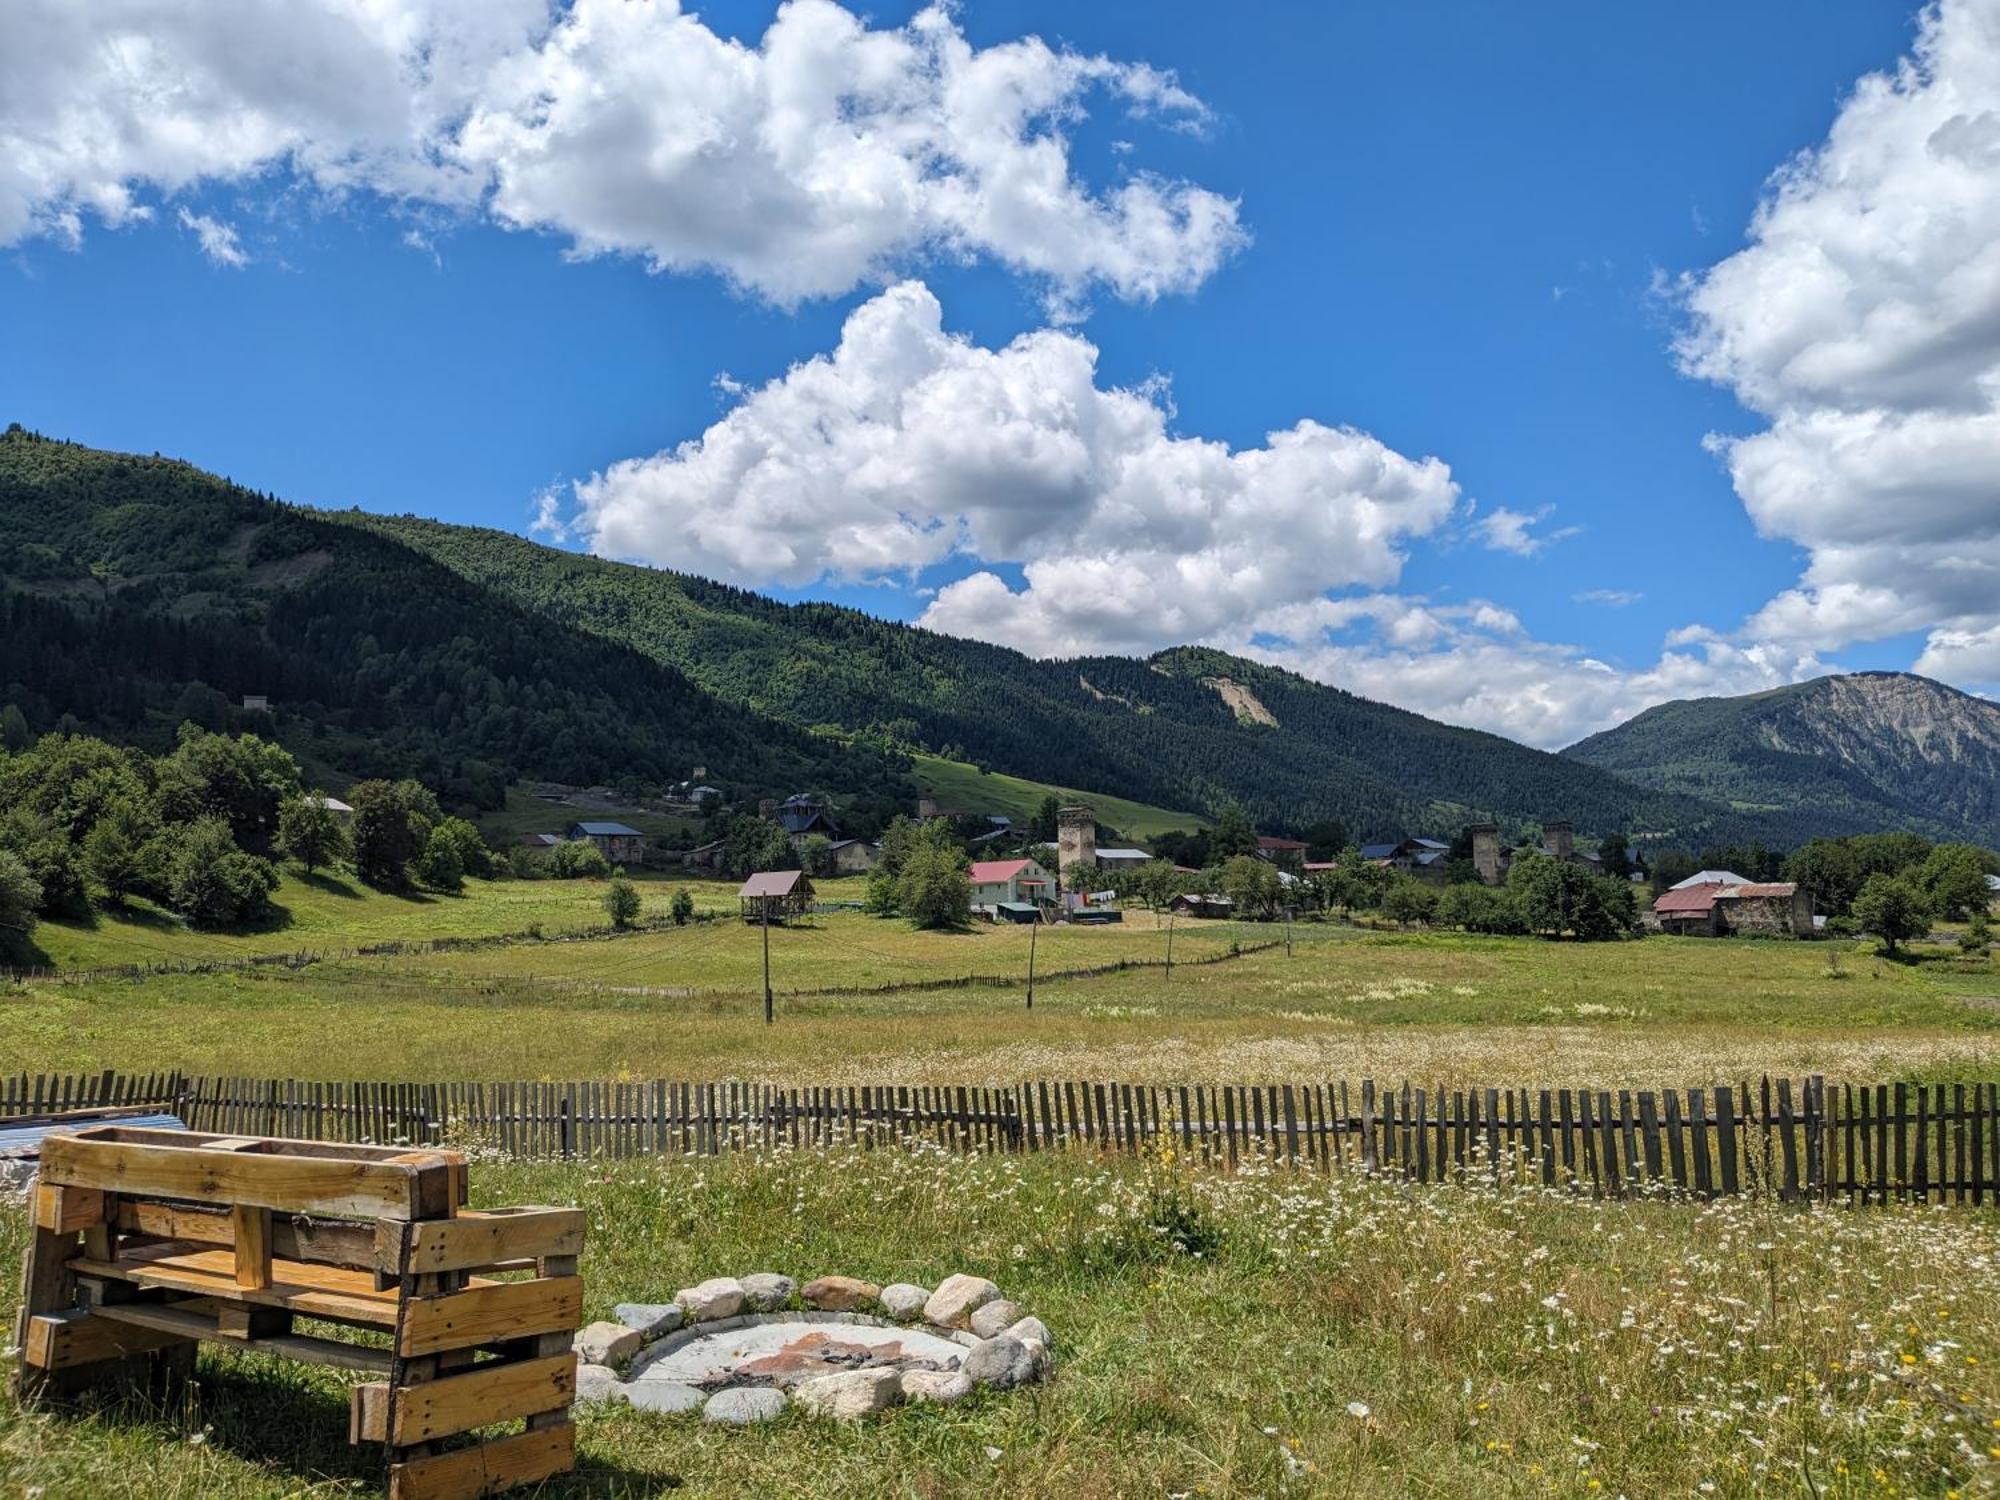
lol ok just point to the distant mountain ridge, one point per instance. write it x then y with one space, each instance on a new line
137 590
1846 753
1186 727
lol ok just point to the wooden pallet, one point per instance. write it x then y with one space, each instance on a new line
147 1241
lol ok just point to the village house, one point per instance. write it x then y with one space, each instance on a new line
1716 909
1122 859
999 882
620 844
1288 854
540 840
801 817
706 856
774 895
1558 842
1194 904
341 811
1418 856
855 856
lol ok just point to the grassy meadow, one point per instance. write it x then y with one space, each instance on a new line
1320 1335
1346 1002
965 788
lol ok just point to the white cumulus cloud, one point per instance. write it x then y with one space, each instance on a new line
824 156
908 445
1863 322
1093 527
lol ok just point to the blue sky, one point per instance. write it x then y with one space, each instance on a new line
1473 233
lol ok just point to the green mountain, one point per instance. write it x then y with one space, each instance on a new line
1184 728
138 592
1835 755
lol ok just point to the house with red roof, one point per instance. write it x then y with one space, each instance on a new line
1008 882
1717 908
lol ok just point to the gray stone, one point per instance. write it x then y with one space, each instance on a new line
741 1405
953 1303
996 1317
1032 1328
940 1387
651 1320
668 1397
1005 1362
595 1384
718 1297
611 1344
767 1291
840 1294
849 1395
903 1301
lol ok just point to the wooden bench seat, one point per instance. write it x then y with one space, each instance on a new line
147 1241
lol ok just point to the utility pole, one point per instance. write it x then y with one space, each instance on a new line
764 906
1033 927
1288 932
1170 943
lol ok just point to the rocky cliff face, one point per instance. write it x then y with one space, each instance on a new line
1869 751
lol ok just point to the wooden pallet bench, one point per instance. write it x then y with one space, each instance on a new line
147 1241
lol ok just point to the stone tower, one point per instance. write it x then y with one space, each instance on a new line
1076 840
1486 851
1560 838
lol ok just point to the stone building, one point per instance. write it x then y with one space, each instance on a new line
1076 841
1717 910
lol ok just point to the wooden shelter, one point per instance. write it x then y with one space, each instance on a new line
774 895
147 1241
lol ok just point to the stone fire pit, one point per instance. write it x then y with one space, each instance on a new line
741 1350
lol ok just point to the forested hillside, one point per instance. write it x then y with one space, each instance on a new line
136 593
1875 750
1156 730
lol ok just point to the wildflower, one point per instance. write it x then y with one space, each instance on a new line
1358 1410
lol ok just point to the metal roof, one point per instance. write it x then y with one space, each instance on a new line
1377 851
1708 877
609 830
1690 902
771 883
996 871
1123 854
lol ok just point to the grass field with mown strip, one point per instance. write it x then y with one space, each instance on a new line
962 788
335 911
1345 1004
1322 1335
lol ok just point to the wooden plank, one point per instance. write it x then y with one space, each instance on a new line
475 1241
186 1320
1676 1143
64 1340
1727 1146
1788 1146
460 1403
251 1231
525 1458
291 1184
323 1241
67 1210
318 1291
484 1314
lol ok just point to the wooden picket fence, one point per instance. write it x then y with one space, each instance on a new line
1936 1142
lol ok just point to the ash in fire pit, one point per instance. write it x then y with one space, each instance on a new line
830 1357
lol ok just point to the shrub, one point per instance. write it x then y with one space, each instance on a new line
310 832
682 905
440 866
577 859
621 902
212 883
1893 908
1977 937
933 890
20 894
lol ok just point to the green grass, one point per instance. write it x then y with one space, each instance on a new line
335 911
962 788
1345 1004
527 813
1336 1336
